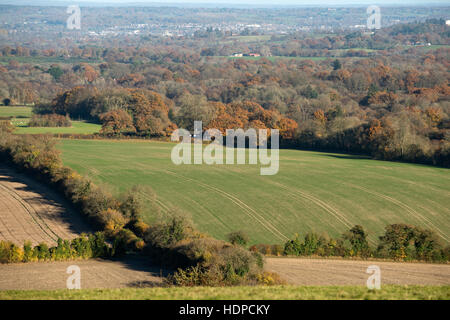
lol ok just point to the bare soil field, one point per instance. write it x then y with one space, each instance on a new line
304 271
30 211
95 273
139 272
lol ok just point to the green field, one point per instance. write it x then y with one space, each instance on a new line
240 293
312 191
16 112
48 60
250 38
78 127
21 116
275 58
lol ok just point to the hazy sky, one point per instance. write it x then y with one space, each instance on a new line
282 2
253 2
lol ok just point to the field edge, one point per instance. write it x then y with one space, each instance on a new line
285 292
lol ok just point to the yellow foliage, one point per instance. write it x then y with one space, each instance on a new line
268 278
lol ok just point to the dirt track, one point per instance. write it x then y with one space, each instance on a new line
30 211
135 272
349 272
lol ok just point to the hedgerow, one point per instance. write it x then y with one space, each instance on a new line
399 242
50 120
174 242
83 247
38 157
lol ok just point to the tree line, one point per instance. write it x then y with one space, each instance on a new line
400 242
83 247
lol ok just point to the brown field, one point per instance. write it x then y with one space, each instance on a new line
138 272
30 211
304 271
95 273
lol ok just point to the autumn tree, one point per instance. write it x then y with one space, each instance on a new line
116 122
358 240
194 108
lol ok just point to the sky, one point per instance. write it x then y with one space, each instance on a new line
240 2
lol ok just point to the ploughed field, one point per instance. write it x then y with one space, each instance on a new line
31 212
312 191
342 272
136 272
95 273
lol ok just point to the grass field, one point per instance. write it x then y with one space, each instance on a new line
78 127
275 58
435 47
16 112
241 293
21 116
312 191
47 60
250 38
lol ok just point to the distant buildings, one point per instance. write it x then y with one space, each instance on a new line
239 54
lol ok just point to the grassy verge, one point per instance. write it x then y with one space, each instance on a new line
242 293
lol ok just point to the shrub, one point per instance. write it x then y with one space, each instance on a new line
10 253
358 240
226 265
132 204
238 238
28 252
6 127
427 245
139 227
293 247
42 252
277 250
98 245
397 240
125 240
268 249
267 278
166 234
83 247
49 120
112 220
189 277
311 244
